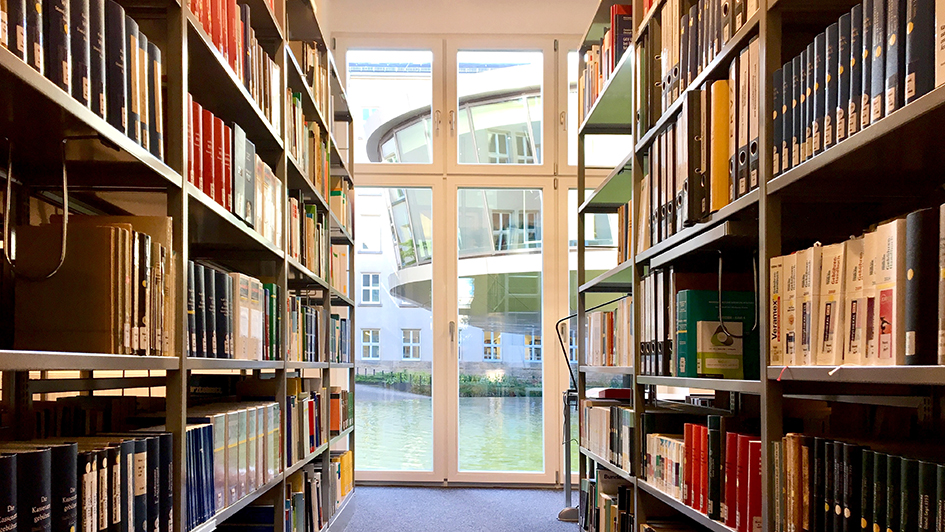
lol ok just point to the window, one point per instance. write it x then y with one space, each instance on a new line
572 345
501 229
369 233
498 148
411 344
492 346
533 348
370 288
370 344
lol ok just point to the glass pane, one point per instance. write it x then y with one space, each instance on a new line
600 151
390 93
500 297
500 109
394 406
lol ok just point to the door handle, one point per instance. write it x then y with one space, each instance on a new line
452 331
452 123
563 119
436 122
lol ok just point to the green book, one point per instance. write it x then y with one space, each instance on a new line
707 349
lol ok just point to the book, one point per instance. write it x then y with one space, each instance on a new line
34 36
80 50
754 118
97 57
895 54
856 69
734 90
200 308
854 301
715 467
920 48
807 149
941 285
8 491
909 496
925 500
866 491
155 102
16 28
116 80
742 517
843 77
893 493
58 43
809 271
889 264
878 66
132 69
829 351
866 65
831 55
921 285
144 117
720 141
776 309
819 93
717 349
789 321
208 168
879 490
852 487
779 107
754 521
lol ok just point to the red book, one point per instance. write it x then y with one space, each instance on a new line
219 174
704 469
225 29
697 494
731 479
216 23
190 137
228 168
754 486
311 427
232 18
209 169
196 145
196 7
741 508
687 465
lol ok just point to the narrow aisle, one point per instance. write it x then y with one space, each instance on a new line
457 510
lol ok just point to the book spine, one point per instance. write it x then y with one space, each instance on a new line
939 503
941 285
715 469
97 57
909 495
754 113
155 102
34 490
116 81
219 174
926 496
807 149
856 69
731 479
8 493
817 493
227 179
866 63
843 78
153 477
144 116
922 257
58 44
895 54
778 108
131 77
820 93
167 492
852 487
101 504
741 509
86 487
191 312
879 490
828 473
222 312
206 158
115 488
839 479
920 46
64 461
893 493
16 28
831 93
793 121
878 67
79 15
866 491
200 307
755 523
733 91
211 312
34 36
143 284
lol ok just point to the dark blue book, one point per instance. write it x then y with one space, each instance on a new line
58 44
116 81
866 65
831 83
820 93
856 69
97 75
878 67
79 30
843 78
920 48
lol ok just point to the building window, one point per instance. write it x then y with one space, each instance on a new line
492 345
523 150
498 148
411 344
371 288
531 223
533 348
369 233
572 345
370 344
501 229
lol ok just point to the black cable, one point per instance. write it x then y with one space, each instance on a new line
561 340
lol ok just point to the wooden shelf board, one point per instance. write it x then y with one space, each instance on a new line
212 226
229 363
908 375
341 435
295 364
722 385
18 360
231 510
617 279
677 505
617 370
606 463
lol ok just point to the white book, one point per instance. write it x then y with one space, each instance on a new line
776 312
854 314
789 315
871 257
890 283
808 263
830 306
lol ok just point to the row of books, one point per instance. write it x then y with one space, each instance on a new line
233 450
341 190
607 431
341 469
306 331
708 157
677 45
85 415
610 336
232 315
836 87
308 236
304 497
313 60
826 485
112 292
624 230
306 412
229 27
710 470
339 268
307 142
870 300
342 410
223 163
681 331
117 482
92 50
338 348
601 59
605 503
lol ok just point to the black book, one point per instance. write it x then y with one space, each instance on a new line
155 105
79 30
143 286
87 478
34 42
115 487
716 461
191 312
896 54
200 312
828 487
831 67
64 461
866 493
58 44
154 494
893 495
116 80
127 497
131 76
856 69
16 28
166 493
820 94
223 309
922 250
101 507
926 517
839 479
852 487
879 490
818 500
843 78
909 499
878 67
920 48
97 57
685 33
807 150
866 65
231 319
778 107
8 498
695 34
790 144
210 307
247 42
34 489
144 118
939 502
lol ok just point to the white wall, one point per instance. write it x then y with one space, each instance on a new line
515 17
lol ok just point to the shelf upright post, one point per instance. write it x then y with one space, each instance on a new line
638 390
581 329
352 335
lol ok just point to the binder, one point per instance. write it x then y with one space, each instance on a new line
920 48
733 90
655 191
896 53
726 23
754 118
878 67
831 92
685 30
693 191
720 142
144 116
738 15
866 64
843 78
820 103
778 109
856 69
695 33
744 81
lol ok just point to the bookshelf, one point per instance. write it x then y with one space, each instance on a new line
109 173
843 190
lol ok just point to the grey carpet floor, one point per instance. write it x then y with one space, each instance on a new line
457 510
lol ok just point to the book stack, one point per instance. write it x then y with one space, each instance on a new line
229 28
233 450
875 59
223 163
304 497
342 410
342 470
710 470
232 315
606 503
870 300
338 351
306 331
306 414
115 482
339 268
607 431
610 334
314 64
708 157
308 235
601 59
113 291
838 485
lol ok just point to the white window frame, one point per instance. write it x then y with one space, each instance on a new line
371 289
411 344
491 346
533 348
374 345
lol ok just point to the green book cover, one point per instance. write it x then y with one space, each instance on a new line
704 347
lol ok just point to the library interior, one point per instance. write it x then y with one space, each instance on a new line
366 266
